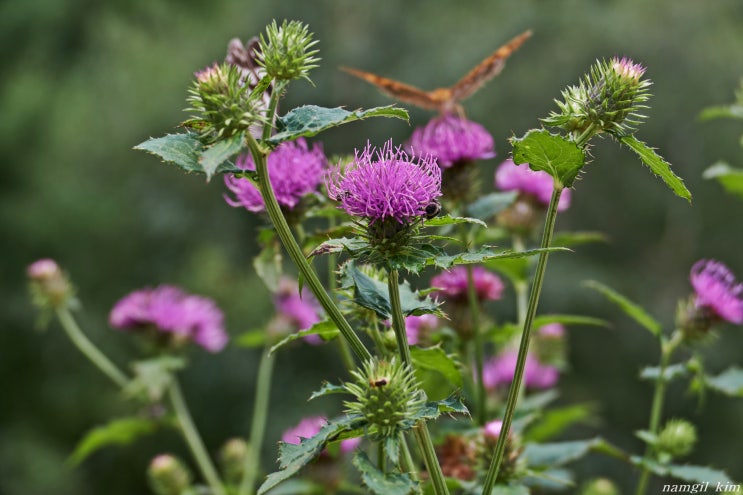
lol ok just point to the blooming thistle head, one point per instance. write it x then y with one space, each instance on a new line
294 168
387 395
536 184
222 102
456 143
175 317
717 297
286 51
499 370
294 311
453 284
392 191
608 99
49 286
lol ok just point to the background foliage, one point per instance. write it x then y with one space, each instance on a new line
84 81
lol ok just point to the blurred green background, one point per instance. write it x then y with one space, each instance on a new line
83 81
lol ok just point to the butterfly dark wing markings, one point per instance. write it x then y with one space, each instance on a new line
397 90
487 69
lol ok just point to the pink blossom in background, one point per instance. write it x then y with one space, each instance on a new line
537 184
717 290
499 371
450 139
452 284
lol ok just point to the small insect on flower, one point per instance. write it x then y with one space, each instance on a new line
433 209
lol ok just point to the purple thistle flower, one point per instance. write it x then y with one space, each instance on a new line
294 169
452 284
537 184
626 68
172 311
43 269
717 290
385 184
499 371
452 139
309 427
416 325
492 429
300 311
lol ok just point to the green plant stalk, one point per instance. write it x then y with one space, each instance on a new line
474 307
423 437
381 457
191 435
258 424
667 347
89 349
295 253
518 376
406 459
520 287
346 356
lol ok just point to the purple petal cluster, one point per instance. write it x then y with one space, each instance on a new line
415 325
492 429
294 169
386 183
301 311
499 371
452 284
452 139
171 310
717 290
552 331
535 183
309 427
627 68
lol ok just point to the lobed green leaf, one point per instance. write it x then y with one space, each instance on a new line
219 153
657 165
551 153
325 329
185 151
381 483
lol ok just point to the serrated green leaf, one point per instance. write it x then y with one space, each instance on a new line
309 120
488 206
252 338
450 220
555 421
382 483
293 457
547 455
325 329
219 153
453 405
657 165
328 388
568 239
729 382
731 179
184 150
352 245
436 359
672 372
122 431
392 449
486 254
552 153
697 474
543 320
297 487
631 309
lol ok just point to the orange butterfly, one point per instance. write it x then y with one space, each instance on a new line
446 100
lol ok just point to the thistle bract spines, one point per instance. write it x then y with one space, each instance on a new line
222 102
285 51
387 395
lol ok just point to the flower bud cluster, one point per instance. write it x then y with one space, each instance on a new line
606 100
167 475
285 51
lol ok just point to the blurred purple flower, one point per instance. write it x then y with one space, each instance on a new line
451 139
492 429
537 184
385 183
301 312
717 290
499 370
43 269
294 169
171 310
552 330
309 427
452 284
415 325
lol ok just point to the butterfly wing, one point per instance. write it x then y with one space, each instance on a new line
487 69
397 90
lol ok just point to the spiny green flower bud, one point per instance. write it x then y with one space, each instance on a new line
232 457
50 288
677 438
285 51
223 103
600 486
606 100
387 394
168 476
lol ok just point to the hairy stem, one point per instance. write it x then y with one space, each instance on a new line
513 391
667 347
474 307
194 441
258 425
94 354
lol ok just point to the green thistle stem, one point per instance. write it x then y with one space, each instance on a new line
406 459
521 287
273 104
513 391
583 138
258 424
194 441
381 457
295 253
85 346
667 347
423 437
332 285
474 307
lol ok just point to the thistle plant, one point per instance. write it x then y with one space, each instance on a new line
441 395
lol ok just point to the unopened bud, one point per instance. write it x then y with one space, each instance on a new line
601 486
168 476
285 51
677 438
232 456
50 288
